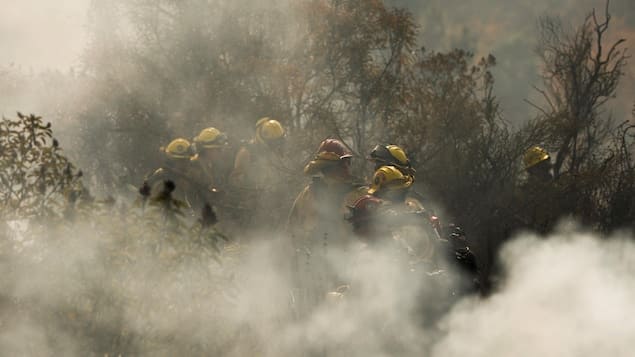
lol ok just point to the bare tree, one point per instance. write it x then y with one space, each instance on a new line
580 73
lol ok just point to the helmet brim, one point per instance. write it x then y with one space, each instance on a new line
316 166
178 157
542 158
211 146
392 187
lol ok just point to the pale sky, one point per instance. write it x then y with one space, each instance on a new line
42 33
51 34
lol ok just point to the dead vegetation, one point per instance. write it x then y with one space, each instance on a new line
353 70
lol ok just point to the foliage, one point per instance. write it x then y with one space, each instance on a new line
356 70
128 273
115 248
616 192
592 156
351 69
580 74
35 178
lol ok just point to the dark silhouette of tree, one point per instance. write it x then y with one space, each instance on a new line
580 74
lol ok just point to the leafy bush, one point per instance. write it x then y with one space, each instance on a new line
35 178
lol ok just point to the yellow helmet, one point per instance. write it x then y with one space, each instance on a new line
399 154
210 138
389 177
178 149
535 155
392 155
268 130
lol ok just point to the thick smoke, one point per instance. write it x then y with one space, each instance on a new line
566 295
159 304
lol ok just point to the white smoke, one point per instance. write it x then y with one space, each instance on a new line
567 295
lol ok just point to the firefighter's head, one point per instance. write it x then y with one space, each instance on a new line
391 155
390 183
269 132
178 149
537 163
210 138
210 143
178 153
332 161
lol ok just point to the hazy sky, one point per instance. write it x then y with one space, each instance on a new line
508 30
50 33
42 33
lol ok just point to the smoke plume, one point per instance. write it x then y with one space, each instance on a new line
566 295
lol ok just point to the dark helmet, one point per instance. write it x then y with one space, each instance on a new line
392 155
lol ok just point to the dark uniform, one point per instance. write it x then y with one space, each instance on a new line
541 199
188 190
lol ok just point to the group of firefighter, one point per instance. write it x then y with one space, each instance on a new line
333 212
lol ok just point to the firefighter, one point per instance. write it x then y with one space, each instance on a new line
391 155
386 204
213 154
537 163
541 198
316 224
259 178
388 208
323 203
387 214
265 147
177 178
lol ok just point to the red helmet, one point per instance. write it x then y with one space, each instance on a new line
363 214
335 146
329 152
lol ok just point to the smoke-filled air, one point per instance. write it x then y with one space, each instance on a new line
317 178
